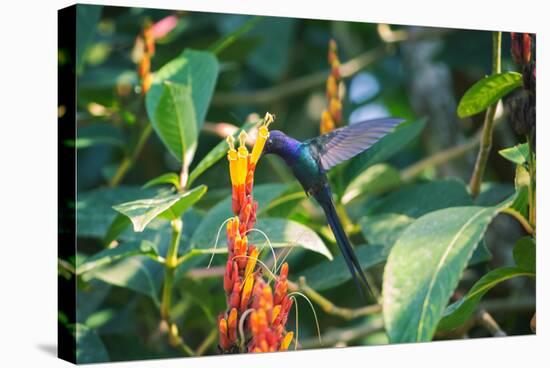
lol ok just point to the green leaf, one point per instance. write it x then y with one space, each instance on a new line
95 208
385 148
170 206
89 347
287 203
493 193
518 154
487 92
138 273
525 254
175 122
376 179
219 151
124 250
198 70
287 233
168 178
281 234
481 254
418 199
460 311
384 229
205 234
521 202
117 227
87 17
424 268
328 274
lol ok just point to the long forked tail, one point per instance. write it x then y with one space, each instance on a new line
325 200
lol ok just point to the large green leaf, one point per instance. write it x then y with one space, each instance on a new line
124 250
87 17
89 347
138 273
384 229
518 154
385 148
281 234
375 179
328 274
487 92
219 151
525 254
170 206
287 233
198 70
175 121
418 199
95 208
205 234
424 268
458 313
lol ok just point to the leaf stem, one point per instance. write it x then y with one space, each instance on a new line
487 134
518 216
169 270
205 344
327 306
129 160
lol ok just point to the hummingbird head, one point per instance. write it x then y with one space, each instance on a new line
276 142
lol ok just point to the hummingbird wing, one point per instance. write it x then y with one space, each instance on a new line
344 143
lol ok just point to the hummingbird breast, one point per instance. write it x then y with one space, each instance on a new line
307 170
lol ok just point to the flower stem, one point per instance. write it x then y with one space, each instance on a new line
170 270
487 134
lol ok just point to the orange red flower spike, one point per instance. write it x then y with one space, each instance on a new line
265 309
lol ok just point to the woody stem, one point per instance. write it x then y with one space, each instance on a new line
487 134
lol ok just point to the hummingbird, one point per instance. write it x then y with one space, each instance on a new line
310 161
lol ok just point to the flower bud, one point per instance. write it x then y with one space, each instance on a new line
232 326
247 291
521 48
286 341
227 277
222 329
253 253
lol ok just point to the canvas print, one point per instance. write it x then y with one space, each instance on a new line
235 184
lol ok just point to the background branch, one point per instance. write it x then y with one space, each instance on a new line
299 85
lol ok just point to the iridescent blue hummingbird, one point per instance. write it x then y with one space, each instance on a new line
310 160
